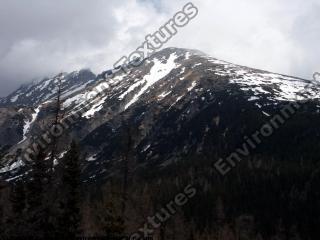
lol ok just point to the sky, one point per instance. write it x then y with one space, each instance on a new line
40 38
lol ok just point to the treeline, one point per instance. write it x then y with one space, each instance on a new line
263 199
51 201
48 203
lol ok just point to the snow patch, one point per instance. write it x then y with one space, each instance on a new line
188 54
75 99
164 94
27 124
267 114
75 89
158 71
14 99
13 166
95 108
193 84
45 84
146 148
92 158
253 98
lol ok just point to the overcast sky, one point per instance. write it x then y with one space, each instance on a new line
39 38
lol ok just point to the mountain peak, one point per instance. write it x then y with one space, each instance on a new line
173 89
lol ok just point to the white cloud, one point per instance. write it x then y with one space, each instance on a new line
280 36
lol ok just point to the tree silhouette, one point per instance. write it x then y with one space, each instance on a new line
18 198
70 188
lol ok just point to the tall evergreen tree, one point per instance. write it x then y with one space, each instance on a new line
16 224
37 217
35 186
55 123
110 221
18 198
2 227
70 186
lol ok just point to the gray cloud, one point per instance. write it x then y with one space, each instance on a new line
42 37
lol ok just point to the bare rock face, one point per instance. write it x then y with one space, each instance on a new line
11 125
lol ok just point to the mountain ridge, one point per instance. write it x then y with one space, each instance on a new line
39 91
162 100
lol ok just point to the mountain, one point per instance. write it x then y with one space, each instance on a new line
247 139
36 92
177 102
19 109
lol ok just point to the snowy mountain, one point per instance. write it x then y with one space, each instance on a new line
37 92
20 109
178 102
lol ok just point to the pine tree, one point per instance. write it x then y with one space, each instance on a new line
35 186
112 223
56 122
16 224
2 227
37 217
18 198
70 186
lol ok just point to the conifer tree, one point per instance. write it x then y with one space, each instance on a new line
16 223
55 123
36 213
112 223
35 186
2 226
18 198
70 187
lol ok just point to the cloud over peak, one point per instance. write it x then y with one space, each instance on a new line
43 37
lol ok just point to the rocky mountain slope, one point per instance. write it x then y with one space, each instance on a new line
20 109
178 102
147 133
37 92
